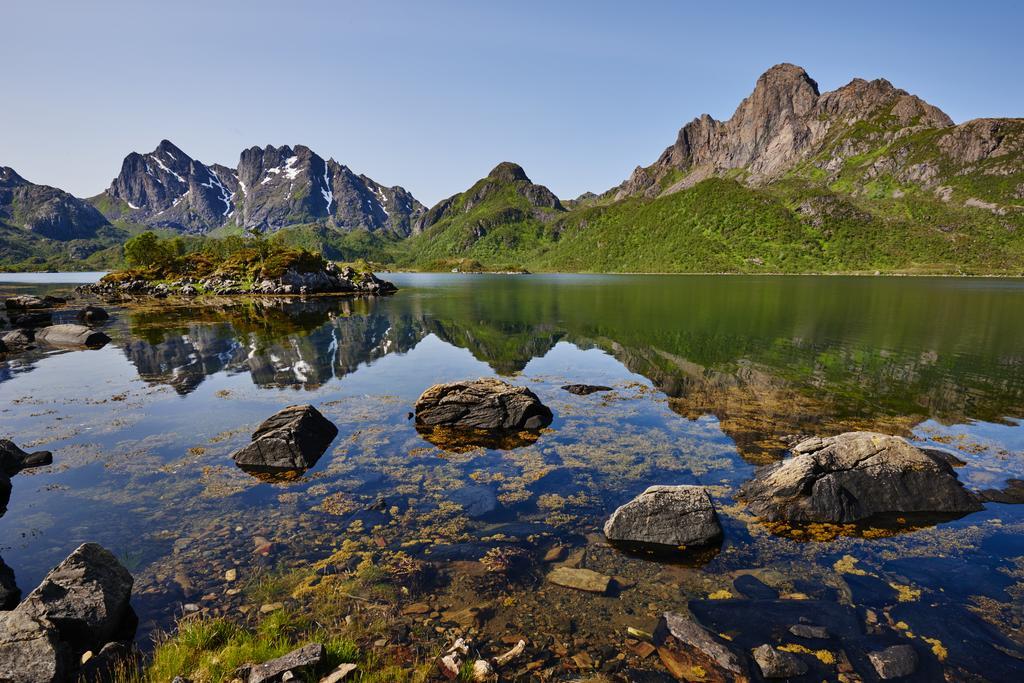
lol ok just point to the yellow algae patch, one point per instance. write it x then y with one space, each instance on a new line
824 656
902 625
847 564
720 595
938 649
906 593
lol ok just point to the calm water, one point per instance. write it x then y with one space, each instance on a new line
711 375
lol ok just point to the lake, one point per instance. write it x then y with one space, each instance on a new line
711 376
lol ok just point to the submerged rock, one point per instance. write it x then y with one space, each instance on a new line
580 579
486 403
670 516
856 476
778 664
894 662
71 335
692 634
291 439
585 389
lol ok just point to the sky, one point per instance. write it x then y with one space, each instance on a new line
432 95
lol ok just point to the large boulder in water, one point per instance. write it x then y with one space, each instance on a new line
14 460
856 476
666 516
292 439
31 650
486 403
70 335
85 596
81 605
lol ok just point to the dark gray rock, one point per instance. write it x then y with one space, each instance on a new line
17 340
306 658
14 460
85 597
9 591
292 439
809 631
672 516
81 605
856 476
488 404
72 336
32 320
31 650
25 302
778 664
894 662
585 389
477 500
93 314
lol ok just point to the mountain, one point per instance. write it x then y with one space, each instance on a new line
865 178
786 122
271 188
45 211
44 227
502 218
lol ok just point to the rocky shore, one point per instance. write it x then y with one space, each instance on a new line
330 279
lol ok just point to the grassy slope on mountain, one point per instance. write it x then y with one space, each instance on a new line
721 225
504 229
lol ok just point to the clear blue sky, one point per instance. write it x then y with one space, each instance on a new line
431 95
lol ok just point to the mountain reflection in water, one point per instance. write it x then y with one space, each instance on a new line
770 359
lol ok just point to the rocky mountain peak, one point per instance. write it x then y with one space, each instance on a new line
508 172
783 121
10 178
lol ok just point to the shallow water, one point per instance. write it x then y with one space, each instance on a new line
711 377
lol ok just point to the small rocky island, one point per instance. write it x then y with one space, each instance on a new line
227 267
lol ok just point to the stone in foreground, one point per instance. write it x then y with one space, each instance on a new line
484 403
692 634
70 335
292 439
295 662
670 516
778 664
853 477
580 579
81 605
894 662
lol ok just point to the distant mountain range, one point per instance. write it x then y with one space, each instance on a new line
866 177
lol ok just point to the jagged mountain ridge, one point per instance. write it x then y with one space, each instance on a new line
271 188
786 121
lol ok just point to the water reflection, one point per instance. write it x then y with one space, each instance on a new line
708 377
770 360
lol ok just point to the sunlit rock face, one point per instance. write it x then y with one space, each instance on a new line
855 477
